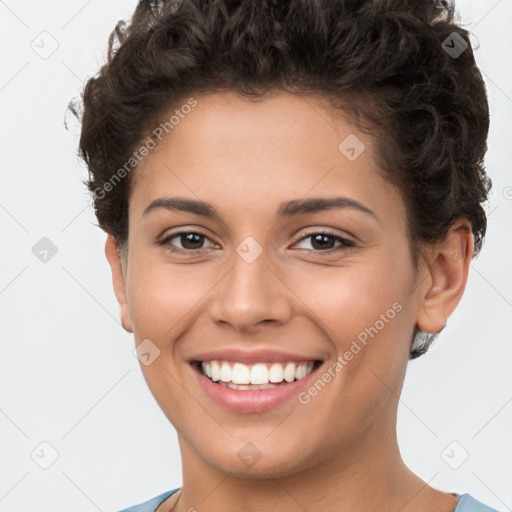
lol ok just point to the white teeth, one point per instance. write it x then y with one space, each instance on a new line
259 374
275 373
215 371
225 372
289 372
242 376
244 387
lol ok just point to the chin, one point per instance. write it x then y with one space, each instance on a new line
253 460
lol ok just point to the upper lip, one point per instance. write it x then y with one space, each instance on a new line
251 356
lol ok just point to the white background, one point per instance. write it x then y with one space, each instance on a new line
67 372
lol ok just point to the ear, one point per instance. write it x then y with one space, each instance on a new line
449 262
118 279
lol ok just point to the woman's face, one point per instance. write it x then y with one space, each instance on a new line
258 287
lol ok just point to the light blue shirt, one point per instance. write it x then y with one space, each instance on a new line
466 503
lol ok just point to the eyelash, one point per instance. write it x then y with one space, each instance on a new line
346 244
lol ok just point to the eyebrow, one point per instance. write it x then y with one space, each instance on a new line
286 209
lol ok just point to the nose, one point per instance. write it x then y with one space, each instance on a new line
250 295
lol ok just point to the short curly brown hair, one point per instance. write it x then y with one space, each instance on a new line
405 67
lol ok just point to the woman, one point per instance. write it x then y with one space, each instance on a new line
292 193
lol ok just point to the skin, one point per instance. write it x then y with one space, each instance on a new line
339 452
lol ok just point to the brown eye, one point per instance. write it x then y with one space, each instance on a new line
189 240
324 241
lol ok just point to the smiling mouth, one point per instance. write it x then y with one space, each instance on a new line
259 376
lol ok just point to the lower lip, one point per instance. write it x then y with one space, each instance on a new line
255 400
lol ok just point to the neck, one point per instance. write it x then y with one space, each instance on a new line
367 475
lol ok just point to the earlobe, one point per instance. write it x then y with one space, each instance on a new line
118 280
448 272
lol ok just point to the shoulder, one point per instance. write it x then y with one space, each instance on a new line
468 504
152 504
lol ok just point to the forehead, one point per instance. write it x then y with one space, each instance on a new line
247 125
254 154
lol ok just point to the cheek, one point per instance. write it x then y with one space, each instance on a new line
351 298
367 318
366 313
162 296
